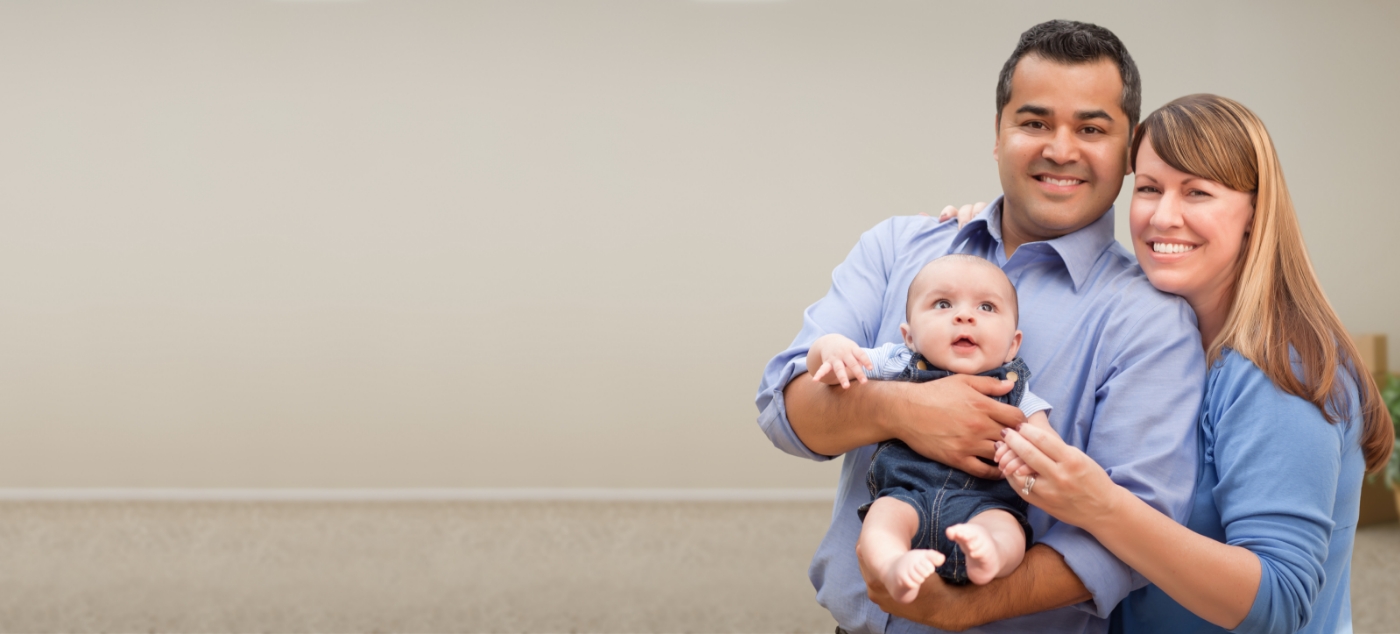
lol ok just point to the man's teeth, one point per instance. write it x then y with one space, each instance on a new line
1167 247
1062 182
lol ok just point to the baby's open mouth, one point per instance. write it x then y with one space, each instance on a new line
964 342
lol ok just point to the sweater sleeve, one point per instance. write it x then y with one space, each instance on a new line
1278 462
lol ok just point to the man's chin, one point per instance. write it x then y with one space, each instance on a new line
1053 220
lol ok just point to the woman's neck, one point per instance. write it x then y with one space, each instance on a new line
1211 311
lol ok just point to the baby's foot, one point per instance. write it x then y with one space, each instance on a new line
984 559
908 572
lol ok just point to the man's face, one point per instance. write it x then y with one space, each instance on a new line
1061 149
962 317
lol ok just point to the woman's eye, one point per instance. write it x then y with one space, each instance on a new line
942 303
1197 193
1147 189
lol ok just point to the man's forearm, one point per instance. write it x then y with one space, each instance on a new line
1042 582
831 420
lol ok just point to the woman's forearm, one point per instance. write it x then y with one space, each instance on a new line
1216 581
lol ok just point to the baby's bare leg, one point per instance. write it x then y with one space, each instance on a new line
889 528
993 544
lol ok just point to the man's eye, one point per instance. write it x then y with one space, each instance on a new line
1035 124
942 303
1093 130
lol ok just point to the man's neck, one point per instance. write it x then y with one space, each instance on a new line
1011 236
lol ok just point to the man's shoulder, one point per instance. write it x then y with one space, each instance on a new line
916 230
1120 283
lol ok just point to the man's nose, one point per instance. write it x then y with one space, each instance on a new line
1061 148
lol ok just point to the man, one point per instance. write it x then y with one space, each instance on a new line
1120 362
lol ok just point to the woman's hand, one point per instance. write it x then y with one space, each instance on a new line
1067 483
963 213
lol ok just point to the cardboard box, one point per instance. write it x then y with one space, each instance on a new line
1373 354
1377 502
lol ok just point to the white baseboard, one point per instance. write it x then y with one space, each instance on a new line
98 494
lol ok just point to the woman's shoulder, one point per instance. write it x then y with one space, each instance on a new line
1239 391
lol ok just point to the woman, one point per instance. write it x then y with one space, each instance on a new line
1290 420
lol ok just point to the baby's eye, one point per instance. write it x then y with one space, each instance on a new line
942 303
987 306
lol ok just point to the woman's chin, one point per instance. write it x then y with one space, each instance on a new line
1168 282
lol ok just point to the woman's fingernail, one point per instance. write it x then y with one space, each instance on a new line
1003 432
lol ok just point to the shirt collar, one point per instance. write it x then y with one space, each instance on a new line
1078 250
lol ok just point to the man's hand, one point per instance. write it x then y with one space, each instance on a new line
950 420
1042 582
834 359
953 421
936 605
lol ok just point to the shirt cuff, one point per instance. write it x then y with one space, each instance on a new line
1107 579
773 418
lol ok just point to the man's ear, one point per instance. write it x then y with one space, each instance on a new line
908 341
996 138
1015 347
1128 158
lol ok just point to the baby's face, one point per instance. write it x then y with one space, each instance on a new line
962 318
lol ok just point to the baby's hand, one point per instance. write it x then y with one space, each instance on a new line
1006 457
834 359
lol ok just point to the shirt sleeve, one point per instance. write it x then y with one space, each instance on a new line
1278 462
1030 404
889 360
852 307
1151 452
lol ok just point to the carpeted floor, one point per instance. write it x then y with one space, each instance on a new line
451 567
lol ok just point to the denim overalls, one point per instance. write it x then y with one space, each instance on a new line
942 495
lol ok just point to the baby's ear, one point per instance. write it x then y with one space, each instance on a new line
1015 347
904 332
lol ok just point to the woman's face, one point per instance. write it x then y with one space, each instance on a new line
1188 232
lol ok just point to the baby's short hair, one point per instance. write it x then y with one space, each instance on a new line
970 259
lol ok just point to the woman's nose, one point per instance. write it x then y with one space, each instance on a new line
1167 214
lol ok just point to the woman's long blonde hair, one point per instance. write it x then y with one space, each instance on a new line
1277 303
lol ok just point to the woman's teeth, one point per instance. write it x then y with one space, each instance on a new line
1167 247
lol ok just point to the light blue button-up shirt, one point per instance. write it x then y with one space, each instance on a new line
1120 362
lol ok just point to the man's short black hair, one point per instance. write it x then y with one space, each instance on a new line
1069 42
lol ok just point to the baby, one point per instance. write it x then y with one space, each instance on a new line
961 318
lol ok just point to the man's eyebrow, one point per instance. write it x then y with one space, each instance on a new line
1085 115
1082 115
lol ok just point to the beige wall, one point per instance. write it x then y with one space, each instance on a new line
487 244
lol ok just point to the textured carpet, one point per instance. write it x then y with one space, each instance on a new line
451 567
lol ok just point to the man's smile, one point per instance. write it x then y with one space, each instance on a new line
1058 183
